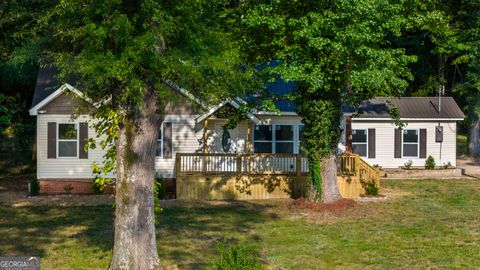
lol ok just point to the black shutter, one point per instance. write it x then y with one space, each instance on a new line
371 143
423 143
52 140
398 143
83 141
167 140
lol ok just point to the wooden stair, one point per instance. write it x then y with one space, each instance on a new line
352 169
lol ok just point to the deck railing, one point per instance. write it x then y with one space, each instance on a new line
213 163
353 165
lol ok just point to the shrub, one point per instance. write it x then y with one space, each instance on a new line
371 188
100 183
447 165
430 163
159 188
236 256
68 188
408 165
34 187
159 192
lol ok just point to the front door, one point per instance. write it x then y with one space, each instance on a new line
225 141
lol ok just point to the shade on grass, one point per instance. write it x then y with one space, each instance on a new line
423 224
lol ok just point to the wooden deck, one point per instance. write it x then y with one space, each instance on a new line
206 176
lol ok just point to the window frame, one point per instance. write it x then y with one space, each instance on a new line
295 139
365 143
68 140
275 141
298 140
161 142
417 143
264 141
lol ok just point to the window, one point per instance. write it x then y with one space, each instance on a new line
300 138
67 140
262 139
281 138
359 142
159 150
284 139
410 143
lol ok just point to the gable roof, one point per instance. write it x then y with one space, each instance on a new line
234 103
411 108
48 87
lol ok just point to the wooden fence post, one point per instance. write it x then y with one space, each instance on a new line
178 166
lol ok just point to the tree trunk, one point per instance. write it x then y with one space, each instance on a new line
135 244
474 139
329 178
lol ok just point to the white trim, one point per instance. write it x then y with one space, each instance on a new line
276 113
417 143
161 143
67 140
52 96
34 110
185 93
408 119
365 143
295 139
235 104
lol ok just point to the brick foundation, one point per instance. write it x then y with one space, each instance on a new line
84 186
66 186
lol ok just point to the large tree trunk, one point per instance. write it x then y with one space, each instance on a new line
135 244
474 139
329 178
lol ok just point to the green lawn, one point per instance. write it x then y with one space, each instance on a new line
423 224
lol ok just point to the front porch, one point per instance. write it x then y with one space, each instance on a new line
215 176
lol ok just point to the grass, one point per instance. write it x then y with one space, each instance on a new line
423 224
462 145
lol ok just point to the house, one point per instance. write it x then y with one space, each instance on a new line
430 130
195 150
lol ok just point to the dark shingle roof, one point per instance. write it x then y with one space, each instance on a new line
46 84
411 107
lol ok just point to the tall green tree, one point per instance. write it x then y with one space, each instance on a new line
336 52
124 52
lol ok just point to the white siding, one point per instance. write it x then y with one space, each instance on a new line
63 167
186 138
442 152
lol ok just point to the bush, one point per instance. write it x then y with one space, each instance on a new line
407 165
447 165
34 187
100 183
371 188
430 163
159 188
159 193
237 257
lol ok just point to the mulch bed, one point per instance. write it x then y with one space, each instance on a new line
338 206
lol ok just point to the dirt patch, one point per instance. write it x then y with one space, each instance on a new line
15 183
19 199
302 204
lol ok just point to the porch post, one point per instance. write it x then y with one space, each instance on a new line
205 148
249 138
